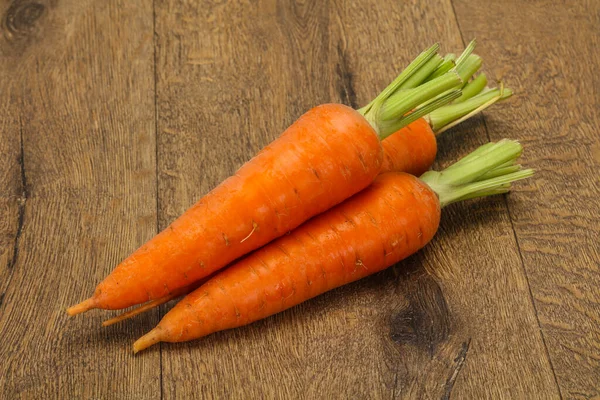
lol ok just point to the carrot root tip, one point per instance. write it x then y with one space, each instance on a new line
149 339
82 307
111 321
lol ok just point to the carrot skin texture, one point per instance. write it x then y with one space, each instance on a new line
326 156
412 149
392 219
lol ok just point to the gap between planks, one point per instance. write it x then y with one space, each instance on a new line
155 58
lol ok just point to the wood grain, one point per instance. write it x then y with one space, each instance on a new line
78 168
553 61
116 116
12 187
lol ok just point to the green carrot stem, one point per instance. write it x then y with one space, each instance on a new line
472 88
468 179
500 171
466 53
394 126
412 68
453 114
391 109
506 164
495 156
405 101
486 187
491 192
468 68
448 63
480 151
416 91
421 75
466 65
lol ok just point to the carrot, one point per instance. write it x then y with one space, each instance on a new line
393 218
326 156
412 149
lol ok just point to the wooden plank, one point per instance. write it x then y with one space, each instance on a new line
81 79
230 78
552 62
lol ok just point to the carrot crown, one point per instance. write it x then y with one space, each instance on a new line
411 96
486 171
475 97
429 88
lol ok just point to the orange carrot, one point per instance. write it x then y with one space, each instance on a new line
326 156
393 218
412 149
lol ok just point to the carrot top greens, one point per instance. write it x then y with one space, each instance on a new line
387 113
486 171
443 90
444 118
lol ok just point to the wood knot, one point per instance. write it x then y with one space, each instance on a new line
424 319
21 17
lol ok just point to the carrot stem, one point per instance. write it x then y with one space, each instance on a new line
496 155
451 115
427 79
489 186
480 151
425 111
405 101
467 179
448 63
412 68
466 64
500 171
466 53
468 68
421 75
506 164
388 112
473 88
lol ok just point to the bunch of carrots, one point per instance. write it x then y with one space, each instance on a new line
334 199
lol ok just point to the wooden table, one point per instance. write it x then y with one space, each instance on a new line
116 116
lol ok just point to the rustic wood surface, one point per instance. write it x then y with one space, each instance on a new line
116 116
